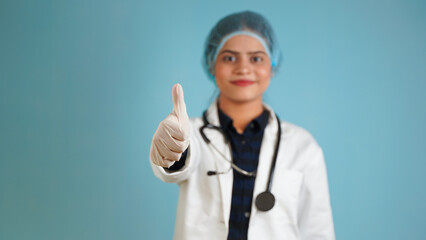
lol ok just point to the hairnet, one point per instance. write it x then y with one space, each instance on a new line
247 23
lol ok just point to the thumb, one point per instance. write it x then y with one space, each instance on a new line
179 106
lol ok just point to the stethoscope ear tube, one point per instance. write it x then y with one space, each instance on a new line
266 200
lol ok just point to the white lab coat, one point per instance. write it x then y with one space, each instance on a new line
302 206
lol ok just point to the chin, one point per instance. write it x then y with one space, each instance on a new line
244 99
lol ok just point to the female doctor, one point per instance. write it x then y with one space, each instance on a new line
242 173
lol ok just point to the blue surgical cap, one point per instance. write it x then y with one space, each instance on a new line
246 23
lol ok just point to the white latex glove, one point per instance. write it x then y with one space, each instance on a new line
172 136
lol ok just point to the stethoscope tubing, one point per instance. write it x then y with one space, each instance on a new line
265 200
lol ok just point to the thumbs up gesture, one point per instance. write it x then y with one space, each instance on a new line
172 136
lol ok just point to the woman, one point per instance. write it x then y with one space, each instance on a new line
277 188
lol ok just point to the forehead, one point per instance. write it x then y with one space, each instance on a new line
243 43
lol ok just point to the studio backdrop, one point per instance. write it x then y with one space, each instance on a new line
84 85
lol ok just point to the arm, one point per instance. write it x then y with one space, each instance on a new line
170 140
315 215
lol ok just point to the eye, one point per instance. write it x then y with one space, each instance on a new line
256 59
229 58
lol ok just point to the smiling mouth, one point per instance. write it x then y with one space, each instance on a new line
242 82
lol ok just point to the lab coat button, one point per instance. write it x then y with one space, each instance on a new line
243 142
247 214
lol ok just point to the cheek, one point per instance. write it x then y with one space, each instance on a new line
221 72
264 73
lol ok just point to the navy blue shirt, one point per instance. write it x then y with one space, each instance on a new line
245 154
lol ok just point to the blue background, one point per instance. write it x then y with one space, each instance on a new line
84 85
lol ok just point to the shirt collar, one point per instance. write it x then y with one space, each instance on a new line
258 124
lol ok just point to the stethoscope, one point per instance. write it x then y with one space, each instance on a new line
265 200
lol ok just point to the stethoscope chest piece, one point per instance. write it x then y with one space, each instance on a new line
265 201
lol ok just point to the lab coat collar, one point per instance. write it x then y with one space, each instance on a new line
218 140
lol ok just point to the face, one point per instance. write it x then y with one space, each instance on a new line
242 70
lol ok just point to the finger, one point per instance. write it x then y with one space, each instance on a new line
167 153
176 145
156 158
179 106
167 163
174 128
159 160
175 139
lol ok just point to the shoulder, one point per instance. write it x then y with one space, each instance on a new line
299 137
293 130
196 122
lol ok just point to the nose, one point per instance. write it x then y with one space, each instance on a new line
243 67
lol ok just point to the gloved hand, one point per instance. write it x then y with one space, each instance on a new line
172 136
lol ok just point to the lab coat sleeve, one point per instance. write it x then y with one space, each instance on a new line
315 215
190 163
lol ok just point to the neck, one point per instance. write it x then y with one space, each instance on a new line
241 113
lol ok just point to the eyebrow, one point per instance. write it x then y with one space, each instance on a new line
237 53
